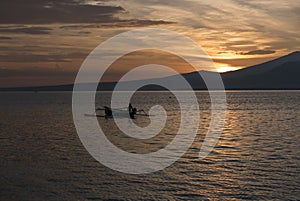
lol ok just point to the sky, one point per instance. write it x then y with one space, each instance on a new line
44 42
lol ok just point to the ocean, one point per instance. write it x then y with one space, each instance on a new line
257 156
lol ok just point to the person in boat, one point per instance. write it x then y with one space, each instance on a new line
107 111
132 111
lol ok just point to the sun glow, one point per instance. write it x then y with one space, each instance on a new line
222 59
223 69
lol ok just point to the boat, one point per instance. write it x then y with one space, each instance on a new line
95 115
117 113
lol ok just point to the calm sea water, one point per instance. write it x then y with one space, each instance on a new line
257 157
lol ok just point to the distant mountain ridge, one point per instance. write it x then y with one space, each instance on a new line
281 73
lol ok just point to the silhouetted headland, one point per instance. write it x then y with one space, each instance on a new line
279 74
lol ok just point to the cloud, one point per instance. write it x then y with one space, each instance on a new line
248 32
117 24
259 52
243 61
34 72
5 38
65 11
30 58
187 13
46 11
27 30
84 32
257 20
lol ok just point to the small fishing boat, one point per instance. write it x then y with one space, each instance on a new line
118 113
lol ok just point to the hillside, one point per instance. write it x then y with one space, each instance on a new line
281 73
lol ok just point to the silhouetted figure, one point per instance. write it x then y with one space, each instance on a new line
132 111
107 111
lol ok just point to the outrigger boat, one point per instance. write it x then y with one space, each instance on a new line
119 113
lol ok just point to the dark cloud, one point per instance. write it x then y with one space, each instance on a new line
49 11
259 52
11 26
66 11
5 38
117 23
24 58
27 30
34 72
84 32
61 49
137 23
80 26
30 58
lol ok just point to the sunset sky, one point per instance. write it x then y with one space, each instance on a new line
44 42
